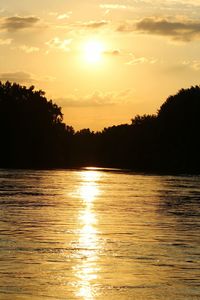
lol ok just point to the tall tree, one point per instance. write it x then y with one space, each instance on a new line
31 130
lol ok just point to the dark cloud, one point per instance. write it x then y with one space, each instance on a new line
178 30
18 23
184 30
112 52
18 77
95 24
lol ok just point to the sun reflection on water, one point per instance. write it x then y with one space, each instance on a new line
88 192
89 189
87 217
91 176
87 268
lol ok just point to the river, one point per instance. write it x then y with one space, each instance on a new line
98 234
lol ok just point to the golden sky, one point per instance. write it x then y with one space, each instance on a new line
103 62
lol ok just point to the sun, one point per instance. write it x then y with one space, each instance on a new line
93 51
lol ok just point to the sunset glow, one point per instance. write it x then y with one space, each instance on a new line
101 61
93 51
99 156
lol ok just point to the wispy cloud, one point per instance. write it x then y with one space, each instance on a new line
114 52
61 16
95 99
193 64
183 30
23 77
64 16
172 6
28 49
5 42
17 23
18 77
180 30
114 6
57 43
110 7
94 24
134 60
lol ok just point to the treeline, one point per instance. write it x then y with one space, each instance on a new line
33 135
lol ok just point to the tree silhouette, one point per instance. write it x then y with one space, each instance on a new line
31 128
179 125
33 135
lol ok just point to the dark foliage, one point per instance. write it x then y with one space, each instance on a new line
166 142
31 129
33 135
179 127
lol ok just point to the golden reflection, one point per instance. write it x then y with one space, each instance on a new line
86 270
91 176
88 192
89 188
87 217
85 292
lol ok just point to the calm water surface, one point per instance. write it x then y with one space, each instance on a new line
95 234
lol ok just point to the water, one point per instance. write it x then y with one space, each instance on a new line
93 234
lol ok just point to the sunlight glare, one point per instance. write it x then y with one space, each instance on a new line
91 176
89 192
93 51
88 217
87 269
85 292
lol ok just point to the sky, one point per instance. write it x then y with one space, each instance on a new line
103 62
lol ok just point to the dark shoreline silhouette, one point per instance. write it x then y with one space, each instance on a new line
33 136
